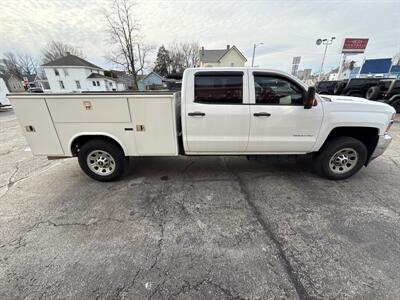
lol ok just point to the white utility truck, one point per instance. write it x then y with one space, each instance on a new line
220 111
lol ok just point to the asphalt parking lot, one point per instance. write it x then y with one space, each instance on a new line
196 228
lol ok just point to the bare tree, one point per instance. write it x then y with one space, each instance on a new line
184 55
18 64
124 31
27 64
9 64
55 50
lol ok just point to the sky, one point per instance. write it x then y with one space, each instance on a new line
286 28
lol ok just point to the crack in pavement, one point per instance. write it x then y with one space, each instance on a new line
291 273
19 242
11 181
124 289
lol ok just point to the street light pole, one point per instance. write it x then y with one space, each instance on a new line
254 51
325 42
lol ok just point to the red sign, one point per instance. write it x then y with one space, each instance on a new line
355 46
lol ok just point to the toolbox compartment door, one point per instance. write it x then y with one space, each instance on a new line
37 125
154 125
88 109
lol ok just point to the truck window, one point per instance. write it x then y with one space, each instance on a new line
270 90
218 87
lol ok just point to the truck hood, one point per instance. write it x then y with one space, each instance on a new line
357 103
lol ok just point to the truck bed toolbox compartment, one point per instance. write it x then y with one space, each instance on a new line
37 125
89 109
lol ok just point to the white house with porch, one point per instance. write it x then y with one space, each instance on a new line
72 74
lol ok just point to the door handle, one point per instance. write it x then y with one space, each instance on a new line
196 113
262 114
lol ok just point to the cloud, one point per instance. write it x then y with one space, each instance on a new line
287 28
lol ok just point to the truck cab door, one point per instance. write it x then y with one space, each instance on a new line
278 121
216 112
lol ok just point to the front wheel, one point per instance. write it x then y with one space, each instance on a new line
102 160
341 158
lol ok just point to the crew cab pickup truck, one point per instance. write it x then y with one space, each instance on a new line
219 111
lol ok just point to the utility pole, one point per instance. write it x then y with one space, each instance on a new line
325 42
254 51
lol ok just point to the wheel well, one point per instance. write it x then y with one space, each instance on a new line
367 135
80 140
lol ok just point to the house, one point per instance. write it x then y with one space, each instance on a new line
151 81
124 80
70 74
14 83
229 57
3 92
42 82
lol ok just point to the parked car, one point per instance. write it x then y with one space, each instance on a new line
326 87
388 90
358 87
220 111
173 81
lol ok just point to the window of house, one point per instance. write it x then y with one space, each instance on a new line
78 84
98 83
273 90
56 72
218 87
61 84
94 83
66 72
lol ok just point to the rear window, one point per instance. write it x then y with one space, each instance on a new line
218 87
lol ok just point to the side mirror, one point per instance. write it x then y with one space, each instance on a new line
310 98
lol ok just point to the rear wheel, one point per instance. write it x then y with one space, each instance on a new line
341 158
373 93
102 160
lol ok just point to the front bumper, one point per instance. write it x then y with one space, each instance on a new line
383 143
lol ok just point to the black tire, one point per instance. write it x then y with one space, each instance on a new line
396 105
325 158
112 159
373 93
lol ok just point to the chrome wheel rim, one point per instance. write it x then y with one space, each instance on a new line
343 160
101 162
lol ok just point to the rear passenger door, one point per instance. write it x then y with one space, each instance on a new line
278 121
216 112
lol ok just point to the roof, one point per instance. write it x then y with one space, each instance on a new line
70 61
376 66
216 55
152 72
212 55
97 75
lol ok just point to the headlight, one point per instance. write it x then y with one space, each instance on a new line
390 122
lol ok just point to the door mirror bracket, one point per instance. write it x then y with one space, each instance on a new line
310 98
